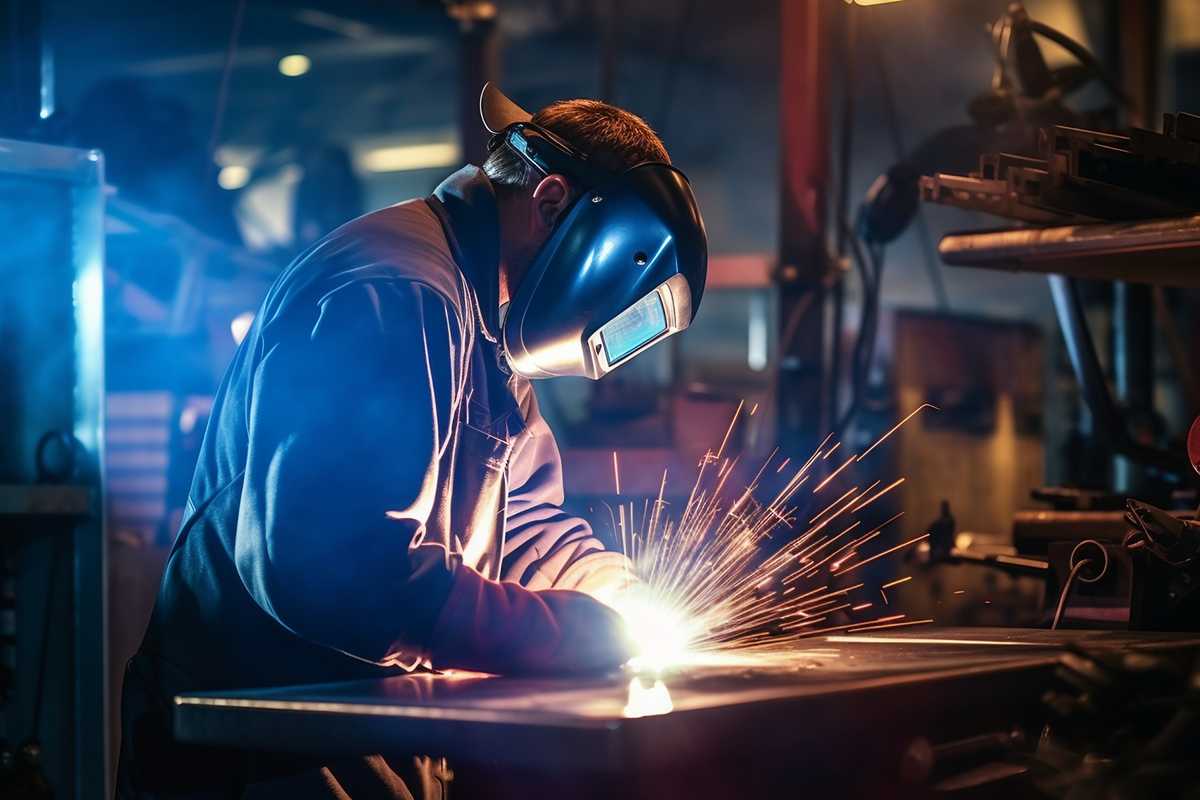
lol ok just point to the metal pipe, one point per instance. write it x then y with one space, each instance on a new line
1133 366
1081 351
477 65
1107 422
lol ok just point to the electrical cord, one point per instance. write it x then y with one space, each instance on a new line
1002 38
869 259
1062 597
1086 59
843 233
870 270
931 264
1077 565
235 32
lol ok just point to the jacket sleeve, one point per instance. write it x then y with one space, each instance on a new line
545 547
347 417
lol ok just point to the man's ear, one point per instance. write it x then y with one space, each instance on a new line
550 200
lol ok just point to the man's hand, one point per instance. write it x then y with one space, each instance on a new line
504 628
612 580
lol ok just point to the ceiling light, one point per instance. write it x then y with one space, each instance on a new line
234 176
413 156
294 65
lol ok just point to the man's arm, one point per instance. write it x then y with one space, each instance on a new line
347 420
545 546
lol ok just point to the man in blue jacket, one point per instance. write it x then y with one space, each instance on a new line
376 490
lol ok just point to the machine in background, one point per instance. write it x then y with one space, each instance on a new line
53 643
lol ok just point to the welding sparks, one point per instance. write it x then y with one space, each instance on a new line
896 427
735 574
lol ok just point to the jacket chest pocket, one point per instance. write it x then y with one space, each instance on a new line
481 447
479 496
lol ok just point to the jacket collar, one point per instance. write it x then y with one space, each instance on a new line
466 204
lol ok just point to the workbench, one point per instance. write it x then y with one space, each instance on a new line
857 713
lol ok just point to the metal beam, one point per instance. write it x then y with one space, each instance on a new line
1133 309
805 32
478 64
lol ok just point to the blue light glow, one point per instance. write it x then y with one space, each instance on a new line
642 322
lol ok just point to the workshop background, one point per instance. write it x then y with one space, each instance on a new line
233 134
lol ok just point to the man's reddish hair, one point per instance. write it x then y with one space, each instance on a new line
612 137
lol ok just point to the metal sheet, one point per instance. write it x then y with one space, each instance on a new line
877 691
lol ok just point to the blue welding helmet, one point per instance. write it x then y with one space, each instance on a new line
624 268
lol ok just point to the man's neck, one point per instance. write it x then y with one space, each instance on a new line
504 291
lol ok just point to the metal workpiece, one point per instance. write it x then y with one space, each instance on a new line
1159 252
844 700
1123 207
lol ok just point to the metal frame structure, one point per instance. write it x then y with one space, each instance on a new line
82 171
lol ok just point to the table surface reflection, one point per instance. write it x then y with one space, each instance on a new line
514 715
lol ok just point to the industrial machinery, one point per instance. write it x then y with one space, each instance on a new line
51 476
1123 206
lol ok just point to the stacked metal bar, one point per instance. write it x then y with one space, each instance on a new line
1085 176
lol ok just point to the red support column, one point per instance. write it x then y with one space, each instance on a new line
804 156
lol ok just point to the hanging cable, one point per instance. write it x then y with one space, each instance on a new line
870 271
1066 590
235 33
1078 563
925 237
843 234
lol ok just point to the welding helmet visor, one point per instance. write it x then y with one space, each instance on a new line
624 268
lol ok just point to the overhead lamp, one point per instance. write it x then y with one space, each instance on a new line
234 176
294 65
870 2
401 158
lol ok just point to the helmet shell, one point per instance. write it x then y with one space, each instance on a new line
638 233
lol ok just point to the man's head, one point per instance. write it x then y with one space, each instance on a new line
531 204
603 249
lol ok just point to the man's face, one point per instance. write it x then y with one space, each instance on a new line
526 222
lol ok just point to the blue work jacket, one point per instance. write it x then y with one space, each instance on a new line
366 443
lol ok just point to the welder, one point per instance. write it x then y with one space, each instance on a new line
376 490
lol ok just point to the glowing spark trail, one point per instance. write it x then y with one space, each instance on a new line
896 427
733 573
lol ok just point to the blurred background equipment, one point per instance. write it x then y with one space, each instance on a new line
1104 184
53 640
